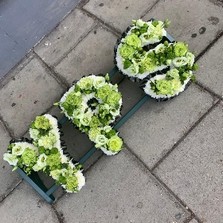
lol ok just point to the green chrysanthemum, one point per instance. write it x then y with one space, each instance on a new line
115 144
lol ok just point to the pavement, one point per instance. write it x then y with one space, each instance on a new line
171 170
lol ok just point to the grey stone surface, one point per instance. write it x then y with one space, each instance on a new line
193 221
94 54
30 93
210 70
25 206
194 170
64 37
119 14
119 189
156 127
190 18
8 179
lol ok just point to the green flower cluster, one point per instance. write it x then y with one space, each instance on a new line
136 60
92 103
45 154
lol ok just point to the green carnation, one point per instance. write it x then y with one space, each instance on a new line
95 122
47 141
53 161
115 144
29 157
104 91
148 64
126 51
173 74
180 49
133 40
114 98
93 133
72 183
85 83
168 87
73 99
41 122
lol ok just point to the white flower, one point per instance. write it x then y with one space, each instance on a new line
80 178
10 158
64 159
107 128
85 119
180 61
140 22
159 48
17 150
55 174
190 57
100 140
34 133
98 82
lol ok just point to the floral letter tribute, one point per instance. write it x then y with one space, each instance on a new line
143 52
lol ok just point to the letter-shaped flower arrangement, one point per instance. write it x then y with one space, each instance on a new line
93 104
144 53
45 153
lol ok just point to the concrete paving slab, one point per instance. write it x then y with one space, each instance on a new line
30 93
119 14
8 179
64 37
156 127
194 221
194 169
94 54
196 22
120 189
24 205
210 69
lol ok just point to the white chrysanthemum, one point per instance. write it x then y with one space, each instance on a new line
108 152
80 178
10 158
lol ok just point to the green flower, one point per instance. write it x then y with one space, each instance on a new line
47 141
85 83
95 122
148 64
93 133
126 51
173 74
55 174
72 183
190 57
133 40
41 122
164 87
104 91
115 144
53 161
10 158
29 157
114 98
85 118
180 49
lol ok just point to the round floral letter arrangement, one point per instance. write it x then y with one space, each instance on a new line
92 104
45 153
144 53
